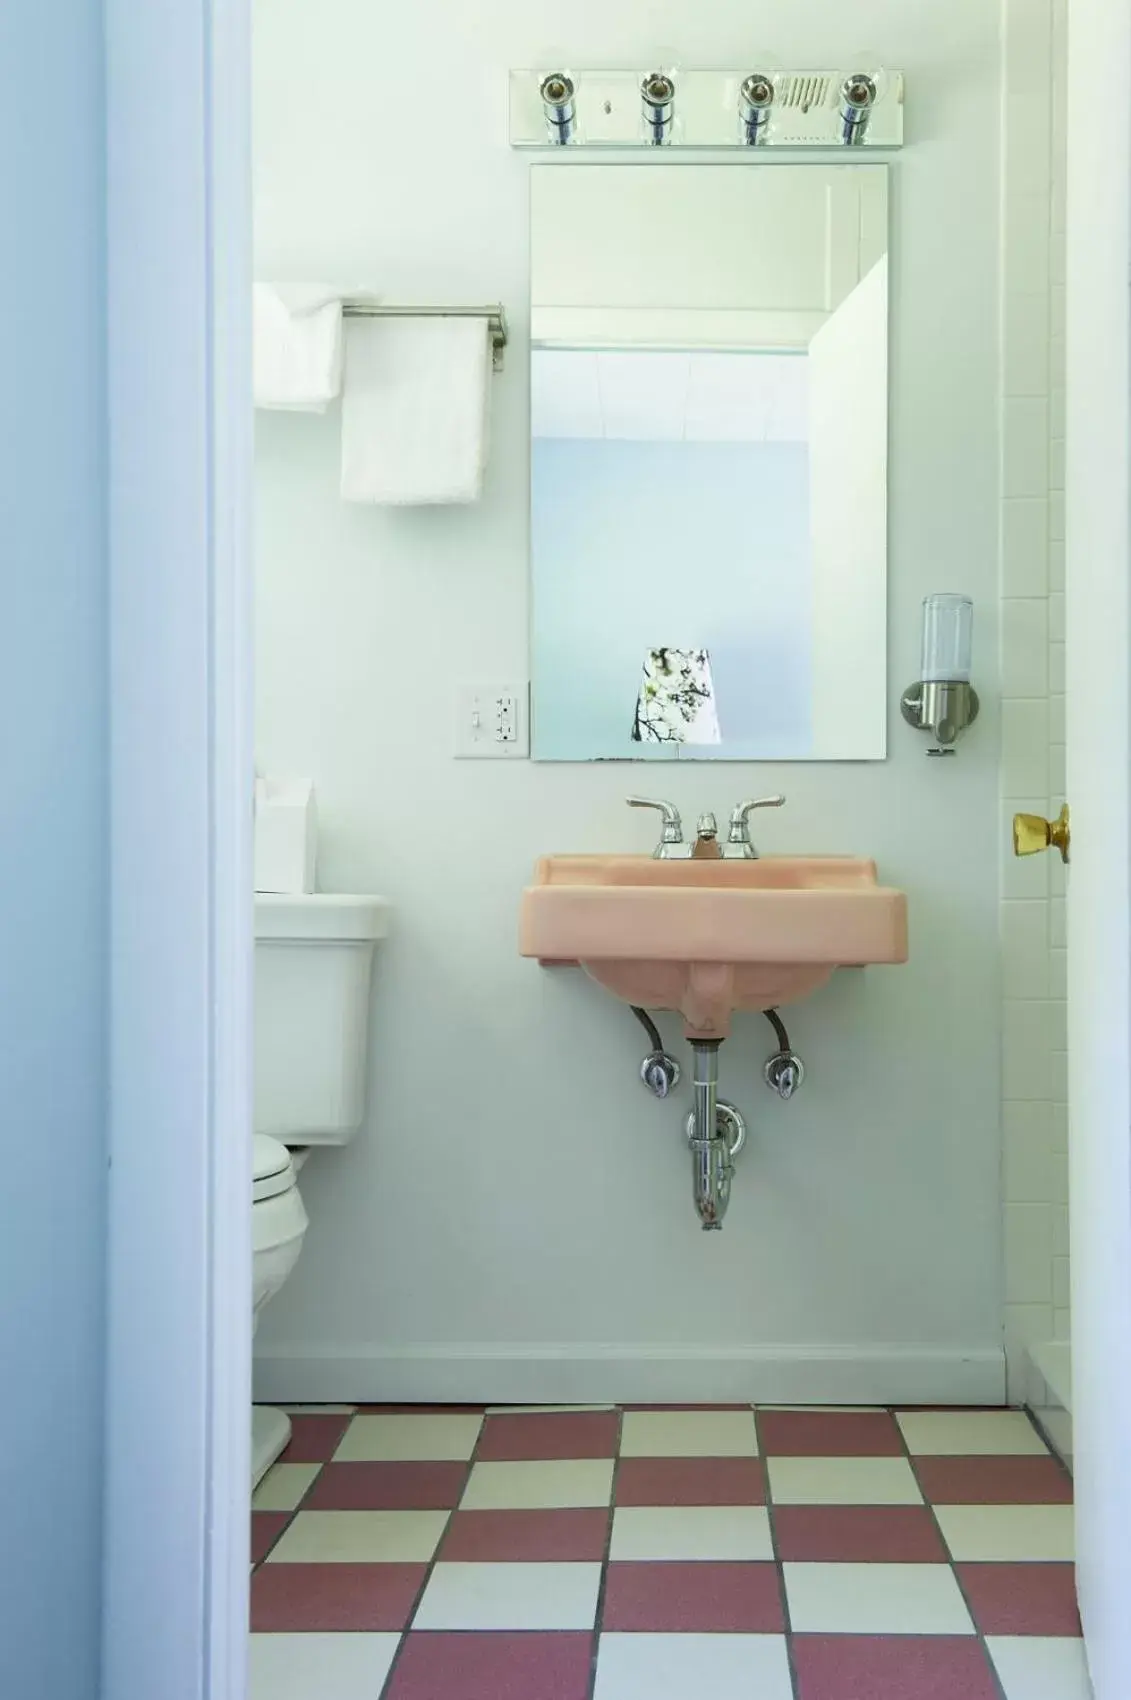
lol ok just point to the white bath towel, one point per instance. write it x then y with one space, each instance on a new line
297 346
415 410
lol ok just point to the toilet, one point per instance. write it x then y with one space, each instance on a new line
313 970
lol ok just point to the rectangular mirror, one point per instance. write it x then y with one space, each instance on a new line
709 462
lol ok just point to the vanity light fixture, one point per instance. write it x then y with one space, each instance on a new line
943 702
558 105
657 95
755 104
858 96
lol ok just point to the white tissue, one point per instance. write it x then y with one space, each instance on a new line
286 835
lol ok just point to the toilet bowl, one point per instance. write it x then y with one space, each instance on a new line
313 967
278 1220
278 1227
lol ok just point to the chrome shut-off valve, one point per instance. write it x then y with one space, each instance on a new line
660 1073
783 1073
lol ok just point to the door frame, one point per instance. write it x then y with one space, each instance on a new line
178 82
1098 487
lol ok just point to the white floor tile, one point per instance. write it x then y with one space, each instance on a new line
283 1487
406 1436
731 1532
1035 1667
842 1481
360 1537
1008 1533
319 1667
674 1667
875 1599
541 1484
973 1433
510 1596
688 1434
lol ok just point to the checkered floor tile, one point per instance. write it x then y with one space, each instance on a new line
408 1553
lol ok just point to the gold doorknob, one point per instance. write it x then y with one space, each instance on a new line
1033 832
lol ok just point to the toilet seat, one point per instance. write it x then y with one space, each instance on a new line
272 1170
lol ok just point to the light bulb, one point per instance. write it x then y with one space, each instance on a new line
859 94
657 94
557 93
755 105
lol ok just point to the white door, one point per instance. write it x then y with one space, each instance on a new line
1099 771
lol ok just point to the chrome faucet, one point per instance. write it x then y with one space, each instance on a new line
738 846
673 847
706 847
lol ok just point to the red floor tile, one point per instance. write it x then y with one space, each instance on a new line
314 1439
526 1537
432 1486
994 1481
1021 1599
488 1666
897 1667
690 1481
829 1434
858 1534
703 1598
334 1597
266 1527
550 1434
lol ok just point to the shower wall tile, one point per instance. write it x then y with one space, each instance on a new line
1025 546
1025 948
1025 445
1033 778
1025 647
1025 745
1027 1138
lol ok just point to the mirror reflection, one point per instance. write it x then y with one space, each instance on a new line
708 460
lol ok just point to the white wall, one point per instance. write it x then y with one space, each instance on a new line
53 847
516 1219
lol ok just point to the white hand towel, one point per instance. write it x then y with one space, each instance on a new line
297 346
414 410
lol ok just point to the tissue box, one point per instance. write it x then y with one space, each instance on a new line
286 835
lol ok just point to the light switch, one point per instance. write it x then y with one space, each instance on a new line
493 720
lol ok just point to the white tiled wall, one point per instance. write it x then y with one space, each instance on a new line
1035 1116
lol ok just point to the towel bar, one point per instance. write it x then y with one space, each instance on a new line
496 317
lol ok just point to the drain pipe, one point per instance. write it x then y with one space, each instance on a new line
715 1132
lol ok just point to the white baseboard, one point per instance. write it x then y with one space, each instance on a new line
1050 1394
1053 1358
618 1374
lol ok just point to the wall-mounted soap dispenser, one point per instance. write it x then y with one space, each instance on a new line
943 702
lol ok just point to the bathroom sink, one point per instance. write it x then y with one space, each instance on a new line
708 937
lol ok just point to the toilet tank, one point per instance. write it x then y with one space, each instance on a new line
313 967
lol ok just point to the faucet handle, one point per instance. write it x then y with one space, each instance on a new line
742 811
740 818
673 827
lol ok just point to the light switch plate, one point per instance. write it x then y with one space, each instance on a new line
492 720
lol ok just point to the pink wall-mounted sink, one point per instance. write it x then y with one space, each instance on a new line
709 937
